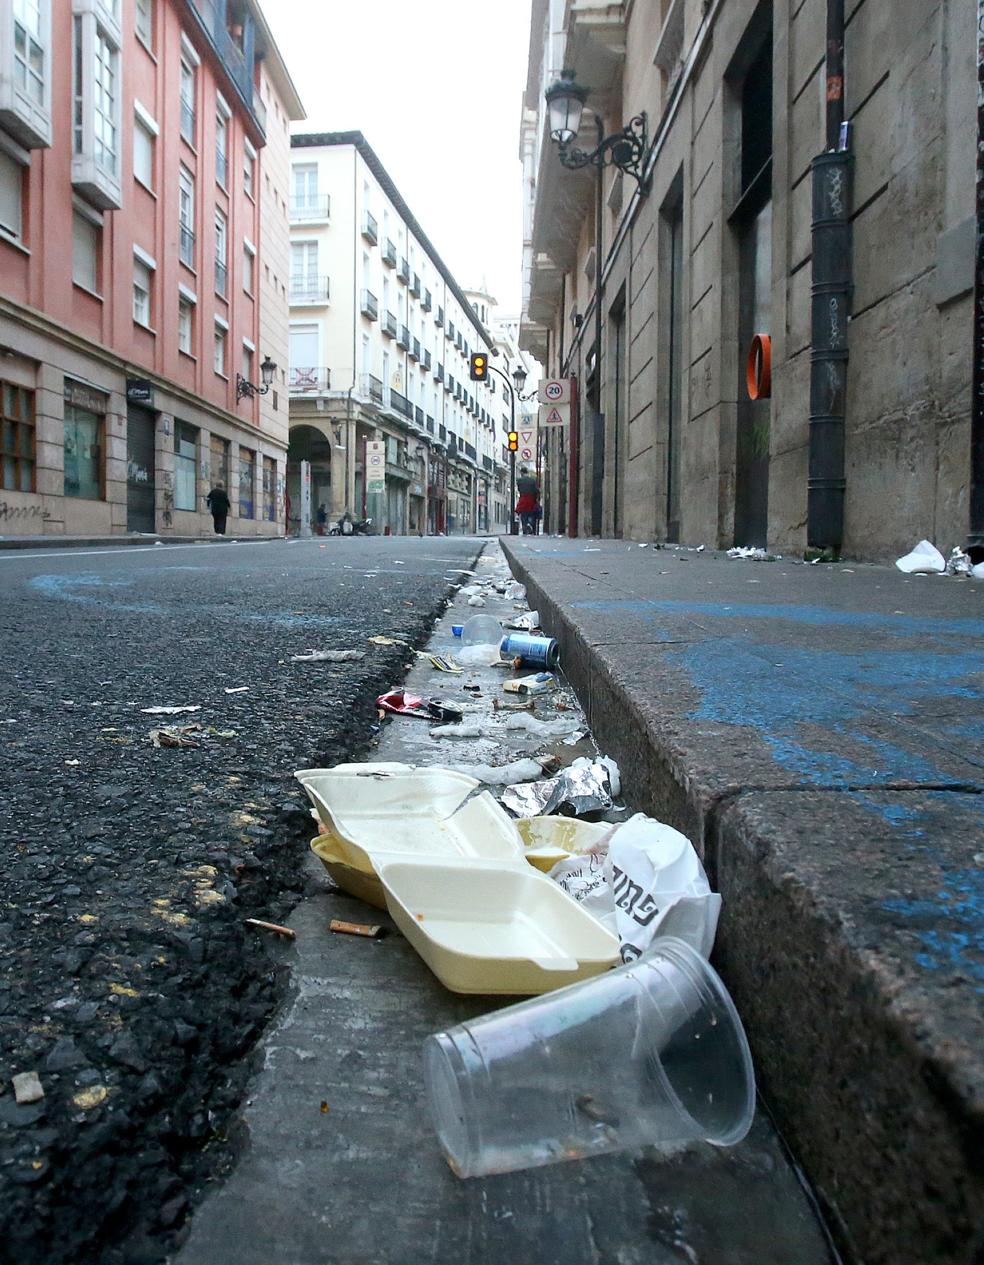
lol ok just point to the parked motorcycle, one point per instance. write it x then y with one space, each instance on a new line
347 526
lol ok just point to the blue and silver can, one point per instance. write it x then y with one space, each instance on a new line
542 652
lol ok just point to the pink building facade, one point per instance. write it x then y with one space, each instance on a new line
133 135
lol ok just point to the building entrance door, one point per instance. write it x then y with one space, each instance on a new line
139 469
754 416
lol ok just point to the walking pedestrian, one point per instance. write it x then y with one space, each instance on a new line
322 517
528 505
218 504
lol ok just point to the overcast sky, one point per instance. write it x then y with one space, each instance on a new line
435 86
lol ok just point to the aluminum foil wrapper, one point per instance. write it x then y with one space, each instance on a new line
574 792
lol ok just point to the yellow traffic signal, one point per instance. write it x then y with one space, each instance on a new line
478 367
513 441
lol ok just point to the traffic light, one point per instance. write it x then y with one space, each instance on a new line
478 367
513 444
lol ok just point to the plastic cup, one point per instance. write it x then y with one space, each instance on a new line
456 630
650 1053
481 630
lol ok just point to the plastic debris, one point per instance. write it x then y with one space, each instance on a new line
27 1088
403 703
445 663
577 790
529 622
476 601
575 737
480 656
503 774
469 729
387 641
977 572
515 592
328 656
750 553
287 932
925 559
539 652
959 563
168 711
558 728
237 689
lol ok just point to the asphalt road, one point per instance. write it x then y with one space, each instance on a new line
128 980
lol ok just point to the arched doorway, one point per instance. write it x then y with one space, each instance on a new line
308 443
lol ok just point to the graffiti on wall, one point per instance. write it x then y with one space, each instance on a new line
22 511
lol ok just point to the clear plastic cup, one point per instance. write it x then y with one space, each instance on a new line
649 1053
481 630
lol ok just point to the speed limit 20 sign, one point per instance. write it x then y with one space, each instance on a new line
555 391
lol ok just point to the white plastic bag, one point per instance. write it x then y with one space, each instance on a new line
583 878
925 559
659 888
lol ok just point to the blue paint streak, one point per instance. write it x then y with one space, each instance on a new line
63 588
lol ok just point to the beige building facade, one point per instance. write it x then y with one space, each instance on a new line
716 246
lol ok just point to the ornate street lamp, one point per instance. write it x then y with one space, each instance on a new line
247 388
519 377
624 150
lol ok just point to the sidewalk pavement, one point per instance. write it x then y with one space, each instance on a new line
116 542
816 730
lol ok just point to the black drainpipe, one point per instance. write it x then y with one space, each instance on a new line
832 288
975 539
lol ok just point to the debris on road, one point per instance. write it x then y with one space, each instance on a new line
402 703
27 1088
536 683
504 774
583 788
539 652
959 563
387 641
750 553
328 656
237 689
372 931
528 622
169 711
287 932
476 601
176 736
445 663
924 559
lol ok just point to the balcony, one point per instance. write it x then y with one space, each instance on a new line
403 338
308 381
439 318
310 207
368 305
235 54
221 278
426 301
401 404
487 463
370 229
389 254
449 332
414 349
415 286
372 387
418 415
389 325
425 359
439 372
403 273
311 291
470 451
430 425
186 246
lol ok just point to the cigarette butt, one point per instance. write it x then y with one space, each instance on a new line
372 931
271 926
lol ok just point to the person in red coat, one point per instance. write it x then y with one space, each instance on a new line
528 505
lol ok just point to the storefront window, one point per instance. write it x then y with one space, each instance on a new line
185 466
247 482
219 471
17 438
269 490
83 453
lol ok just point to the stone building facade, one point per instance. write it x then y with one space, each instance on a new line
717 247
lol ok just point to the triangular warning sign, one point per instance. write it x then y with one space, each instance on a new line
554 417
527 437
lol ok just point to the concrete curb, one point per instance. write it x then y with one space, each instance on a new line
876 1100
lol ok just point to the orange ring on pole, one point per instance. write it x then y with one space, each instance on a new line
758 372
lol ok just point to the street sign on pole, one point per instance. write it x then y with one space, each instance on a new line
554 415
554 391
527 444
375 466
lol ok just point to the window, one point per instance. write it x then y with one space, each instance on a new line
142 280
222 144
144 131
249 267
85 252
83 453
247 481
248 353
185 466
17 438
144 22
221 246
96 100
269 490
11 198
219 467
219 349
305 190
303 271
188 100
186 323
186 216
249 170
29 53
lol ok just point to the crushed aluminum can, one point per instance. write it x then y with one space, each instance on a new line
541 652
573 791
